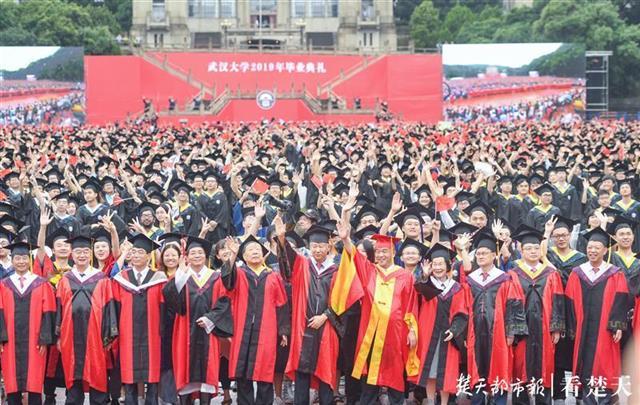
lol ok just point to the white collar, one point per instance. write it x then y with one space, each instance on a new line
443 286
143 273
587 269
157 278
322 267
88 273
29 277
493 274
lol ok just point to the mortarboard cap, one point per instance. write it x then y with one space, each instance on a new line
141 241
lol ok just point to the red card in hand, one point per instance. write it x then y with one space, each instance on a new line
327 178
226 168
317 181
259 186
445 203
19 164
73 160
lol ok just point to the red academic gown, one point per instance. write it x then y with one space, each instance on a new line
312 351
595 310
257 328
86 322
438 313
140 325
27 321
196 358
544 310
496 309
389 308
48 270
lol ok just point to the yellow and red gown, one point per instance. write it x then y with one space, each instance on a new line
389 309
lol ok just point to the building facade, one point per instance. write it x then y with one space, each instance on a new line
354 25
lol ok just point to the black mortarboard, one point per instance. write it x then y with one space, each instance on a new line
11 175
366 231
12 222
422 249
318 234
20 248
294 239
479 206
462 227
410 213
6 234
275 181
311 213
147 206
519 179
60 233
367 210
544 188
485 240
529 237
621 222
80 241
7 207
179 185
101 235
93 185
251 239
52 186
171 237
340 188
141 241
598 235
423 189
62 196
439 250
505 179
464 196
564 222
195 242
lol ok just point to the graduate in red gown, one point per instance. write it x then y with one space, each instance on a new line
597 307
496 320
138 292
202 317
256 293
541 287
27 321
314 345
388 332
442 324
86 324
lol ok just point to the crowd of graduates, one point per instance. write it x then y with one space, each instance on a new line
405 263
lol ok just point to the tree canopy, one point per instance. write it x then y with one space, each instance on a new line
65 23
612 25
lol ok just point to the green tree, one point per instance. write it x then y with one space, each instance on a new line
599 26
17 36
456 18
8 14
99 41
102 16
124 14
426 28
403 9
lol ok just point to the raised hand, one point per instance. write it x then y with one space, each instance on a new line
134 225
396 203
344 229
550 225
280 227
45 216
259 209
463 241
233 245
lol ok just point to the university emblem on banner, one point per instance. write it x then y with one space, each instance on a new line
266 99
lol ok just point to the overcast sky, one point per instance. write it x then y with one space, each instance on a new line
511 55
17 57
